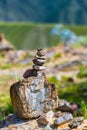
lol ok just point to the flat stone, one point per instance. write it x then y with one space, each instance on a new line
76 122
38 67
29 73
65 106
40 52
39 62
40 57
33 96
16 123
46 118
66 117
58 114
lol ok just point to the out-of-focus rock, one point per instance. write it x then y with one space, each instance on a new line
18 56
68 64
66 117
68 48
65 106
46 118
5 46
76 122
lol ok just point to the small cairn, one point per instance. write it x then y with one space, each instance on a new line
39 60
34 94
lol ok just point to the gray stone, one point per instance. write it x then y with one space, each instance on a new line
33 96
40 57
46 118
38 67
48 128
13 122
76 122
65 106
39 62
40 52
66 117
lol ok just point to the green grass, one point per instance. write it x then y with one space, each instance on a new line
6 107
69 91
72 92
82 72
32 36
84 109
58 55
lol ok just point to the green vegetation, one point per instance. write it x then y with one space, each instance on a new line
32 36
71 91
58 55
68 11
82 72
84 109
54 80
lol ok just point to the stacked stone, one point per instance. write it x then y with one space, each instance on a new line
39 60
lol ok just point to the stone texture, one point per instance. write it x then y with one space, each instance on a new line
76 122
65 106
39 60
33 96
46 118
13 122
66 117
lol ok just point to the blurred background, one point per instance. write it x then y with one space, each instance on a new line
60 28
31 22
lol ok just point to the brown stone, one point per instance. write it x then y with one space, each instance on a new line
39 62
40 57
76 122
66 117
40 52
36 67
29 73
34 95
46 118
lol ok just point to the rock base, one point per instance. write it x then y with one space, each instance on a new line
33 96
13 122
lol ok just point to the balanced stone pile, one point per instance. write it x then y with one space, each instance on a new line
36 104
34 95
39 60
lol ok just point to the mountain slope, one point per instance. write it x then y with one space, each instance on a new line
66 11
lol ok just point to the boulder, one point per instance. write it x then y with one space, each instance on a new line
33 96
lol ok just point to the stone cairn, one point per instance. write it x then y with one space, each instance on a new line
36 104
39 60
34 95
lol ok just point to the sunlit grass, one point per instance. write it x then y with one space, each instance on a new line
72 92
4 98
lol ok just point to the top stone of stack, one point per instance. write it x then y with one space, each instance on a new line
39 60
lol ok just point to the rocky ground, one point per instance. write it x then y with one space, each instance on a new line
62 67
